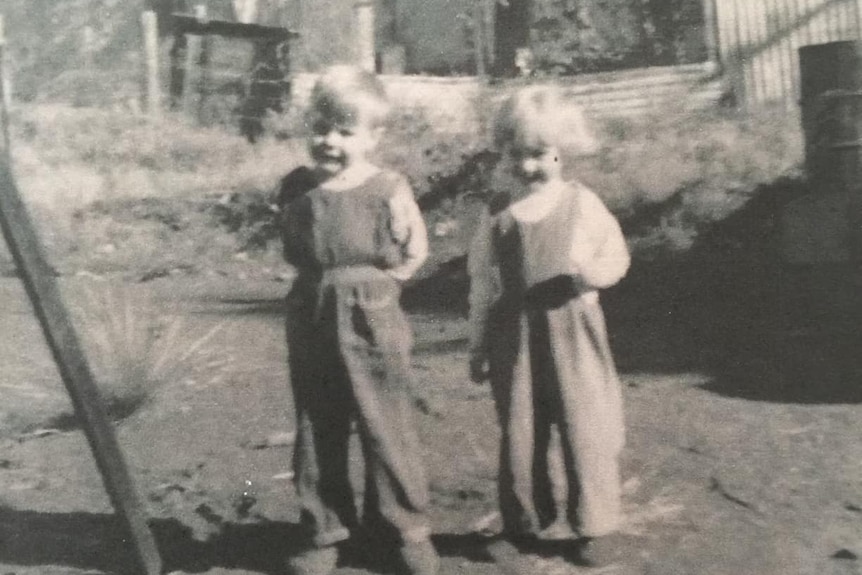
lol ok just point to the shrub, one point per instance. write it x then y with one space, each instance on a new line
413 146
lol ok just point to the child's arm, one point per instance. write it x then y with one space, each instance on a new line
292 220
603 259
484 288
408 227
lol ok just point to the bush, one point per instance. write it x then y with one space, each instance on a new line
428 156
671 176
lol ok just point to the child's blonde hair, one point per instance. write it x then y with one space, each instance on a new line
347 95
538 118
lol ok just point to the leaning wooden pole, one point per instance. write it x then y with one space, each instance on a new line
65 346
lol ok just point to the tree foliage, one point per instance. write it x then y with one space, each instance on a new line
572 36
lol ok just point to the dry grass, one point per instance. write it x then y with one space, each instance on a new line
136 350
684 170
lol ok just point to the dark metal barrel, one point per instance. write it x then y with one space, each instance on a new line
831 101
819 291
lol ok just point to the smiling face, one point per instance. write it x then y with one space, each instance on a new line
336 146
346 111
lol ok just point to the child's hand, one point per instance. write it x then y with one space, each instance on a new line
479 369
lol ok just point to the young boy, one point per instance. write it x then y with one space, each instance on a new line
536 263
353 232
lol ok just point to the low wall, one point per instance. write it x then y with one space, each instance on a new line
458 103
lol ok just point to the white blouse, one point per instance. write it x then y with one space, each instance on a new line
598 256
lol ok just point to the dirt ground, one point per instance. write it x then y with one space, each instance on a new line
720 478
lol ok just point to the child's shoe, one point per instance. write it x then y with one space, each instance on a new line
418 558
314 561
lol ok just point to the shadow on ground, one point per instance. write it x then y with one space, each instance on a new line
92 542
720 308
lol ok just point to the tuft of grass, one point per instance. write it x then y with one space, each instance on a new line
136 350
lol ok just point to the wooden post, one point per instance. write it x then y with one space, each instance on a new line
710 31
479 37
59 331
88 46
5 91
193 55
365 44
490 10
204 75
149 22
178 71
245 11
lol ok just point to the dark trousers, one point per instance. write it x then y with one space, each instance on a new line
349 343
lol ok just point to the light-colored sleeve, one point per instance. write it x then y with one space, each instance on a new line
408 228
599 255
484 283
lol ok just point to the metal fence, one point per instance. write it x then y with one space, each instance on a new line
759 41
461 103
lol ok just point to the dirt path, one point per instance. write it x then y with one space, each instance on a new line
714 485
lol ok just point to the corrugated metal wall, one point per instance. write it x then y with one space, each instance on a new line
759 41
457 103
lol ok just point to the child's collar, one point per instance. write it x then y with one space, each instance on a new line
351 177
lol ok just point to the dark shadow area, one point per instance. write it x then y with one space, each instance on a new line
250 306
93 541
730 307
81 540
444 291
263 306
724 307
440 347
470 546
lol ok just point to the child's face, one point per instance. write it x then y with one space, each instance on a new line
534 163
337 145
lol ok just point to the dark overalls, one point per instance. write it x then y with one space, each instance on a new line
349 344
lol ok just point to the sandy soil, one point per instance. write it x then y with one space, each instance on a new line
721 478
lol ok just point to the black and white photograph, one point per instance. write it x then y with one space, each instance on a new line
431 287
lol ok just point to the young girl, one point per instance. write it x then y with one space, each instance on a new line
536 263
353 232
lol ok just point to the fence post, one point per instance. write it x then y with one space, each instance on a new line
178 72
5 91
204 65
364 38
149 22
193 54
88 46
479 36
710 31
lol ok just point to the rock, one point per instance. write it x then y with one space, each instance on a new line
845 554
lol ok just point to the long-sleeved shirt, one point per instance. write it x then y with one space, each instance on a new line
598 256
